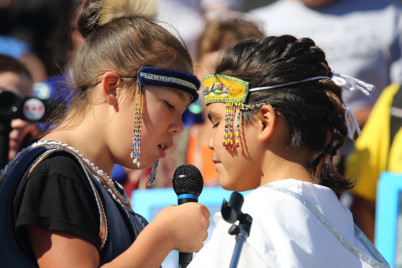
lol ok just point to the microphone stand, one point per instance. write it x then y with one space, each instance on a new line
242 232
231 212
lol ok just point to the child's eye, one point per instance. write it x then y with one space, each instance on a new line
170 106
215 125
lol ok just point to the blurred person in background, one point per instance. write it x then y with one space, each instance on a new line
22 51
43 25
194 14
362 38
15 78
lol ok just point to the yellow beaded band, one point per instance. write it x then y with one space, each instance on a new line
223 88
233 92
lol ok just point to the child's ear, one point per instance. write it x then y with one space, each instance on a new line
266 118
110 83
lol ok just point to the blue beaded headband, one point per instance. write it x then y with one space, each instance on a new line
150 76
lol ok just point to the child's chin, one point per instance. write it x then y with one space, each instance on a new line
223 183
227 184
233 186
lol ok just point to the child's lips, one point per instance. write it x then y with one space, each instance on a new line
161 149
215 161
217 164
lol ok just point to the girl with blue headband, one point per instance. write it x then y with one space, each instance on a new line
60 207
278 119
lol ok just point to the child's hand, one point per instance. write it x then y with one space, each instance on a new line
185 226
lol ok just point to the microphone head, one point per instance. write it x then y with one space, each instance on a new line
187 179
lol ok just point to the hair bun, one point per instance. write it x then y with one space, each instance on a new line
93 13
114 9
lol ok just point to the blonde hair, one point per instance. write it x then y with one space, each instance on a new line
113 9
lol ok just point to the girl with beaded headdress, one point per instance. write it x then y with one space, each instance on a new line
219 34
278 119
59 207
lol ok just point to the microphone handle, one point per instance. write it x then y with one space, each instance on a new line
186 258
185 198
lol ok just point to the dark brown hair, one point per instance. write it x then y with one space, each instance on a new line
9 64
314 110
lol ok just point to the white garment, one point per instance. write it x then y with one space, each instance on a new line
295 224
361 38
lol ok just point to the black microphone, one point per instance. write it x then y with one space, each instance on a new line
187 184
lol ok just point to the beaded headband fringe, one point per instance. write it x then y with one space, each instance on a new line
233 92
150 76
136 144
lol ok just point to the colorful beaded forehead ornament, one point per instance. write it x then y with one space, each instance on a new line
150 76
233 92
